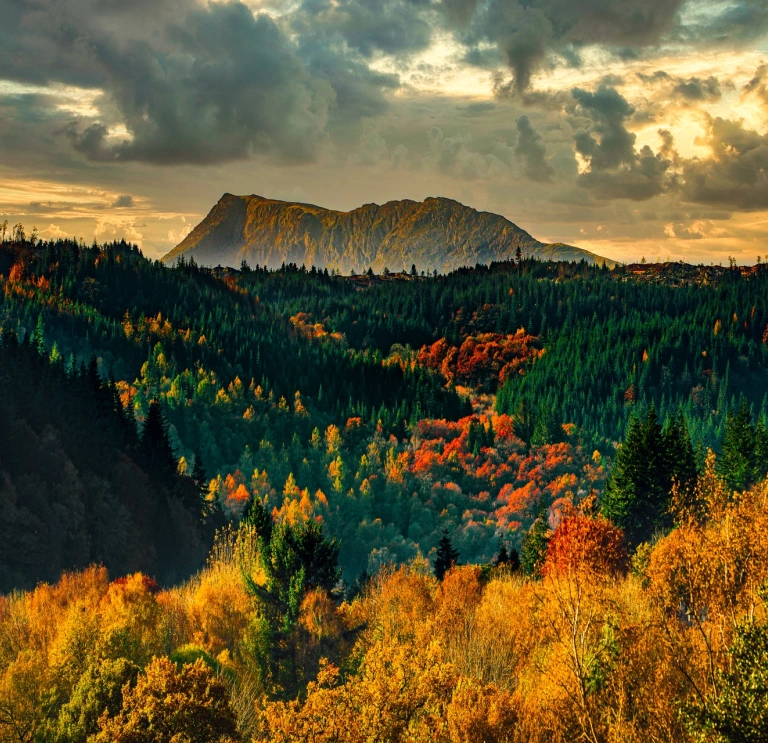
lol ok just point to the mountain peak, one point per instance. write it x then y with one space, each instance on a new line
437 233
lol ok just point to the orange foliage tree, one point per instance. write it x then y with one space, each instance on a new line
586 543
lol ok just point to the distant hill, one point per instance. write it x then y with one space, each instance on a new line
436 233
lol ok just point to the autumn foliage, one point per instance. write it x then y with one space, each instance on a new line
589 544
483 361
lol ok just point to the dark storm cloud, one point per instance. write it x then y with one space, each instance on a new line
531 150
200 83
526 32
371 26
737 20
615 168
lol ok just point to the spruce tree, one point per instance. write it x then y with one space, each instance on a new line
258 516
622 490
502 556
681 459
533 550
155 447
737 462
446 557
761 449
637 494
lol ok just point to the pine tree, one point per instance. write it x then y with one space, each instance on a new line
761 449
446 557
155 447
533 550
258 516
502 556
38 336
737 462
208 507
681 459
638 492
622 489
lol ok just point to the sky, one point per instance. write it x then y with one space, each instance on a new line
632 128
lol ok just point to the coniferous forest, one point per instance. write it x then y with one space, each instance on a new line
523 502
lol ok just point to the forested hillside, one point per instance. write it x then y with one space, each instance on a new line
396 406
517 503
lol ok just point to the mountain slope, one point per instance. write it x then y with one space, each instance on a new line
436 233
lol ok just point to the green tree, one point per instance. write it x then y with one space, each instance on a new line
533 550
737 461
447 556
737 712
761 448
98 691
638 491
681 458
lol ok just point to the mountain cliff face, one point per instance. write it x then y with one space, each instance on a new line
436 233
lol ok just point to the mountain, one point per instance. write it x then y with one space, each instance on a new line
436 233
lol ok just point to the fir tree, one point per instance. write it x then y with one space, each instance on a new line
155 447
502 556
637 494
737 462
446 557
761 449
258 516
533 550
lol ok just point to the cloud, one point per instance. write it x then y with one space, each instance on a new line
736 176
124 200
527 33
201 83
393 27
110 228
531 150
691 90
614 168
698 90
53 232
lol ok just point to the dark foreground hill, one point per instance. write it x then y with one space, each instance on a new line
436 233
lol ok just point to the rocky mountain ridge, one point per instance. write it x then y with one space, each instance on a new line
437 233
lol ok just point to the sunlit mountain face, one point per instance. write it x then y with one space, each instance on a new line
630 128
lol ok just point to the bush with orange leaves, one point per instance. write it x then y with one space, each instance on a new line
589 544
168 704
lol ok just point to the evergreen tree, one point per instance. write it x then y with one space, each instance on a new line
447 557
637 494
502 556
155 447
761 449
533 550
681 459
258 516
737 462
38 336
547 429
